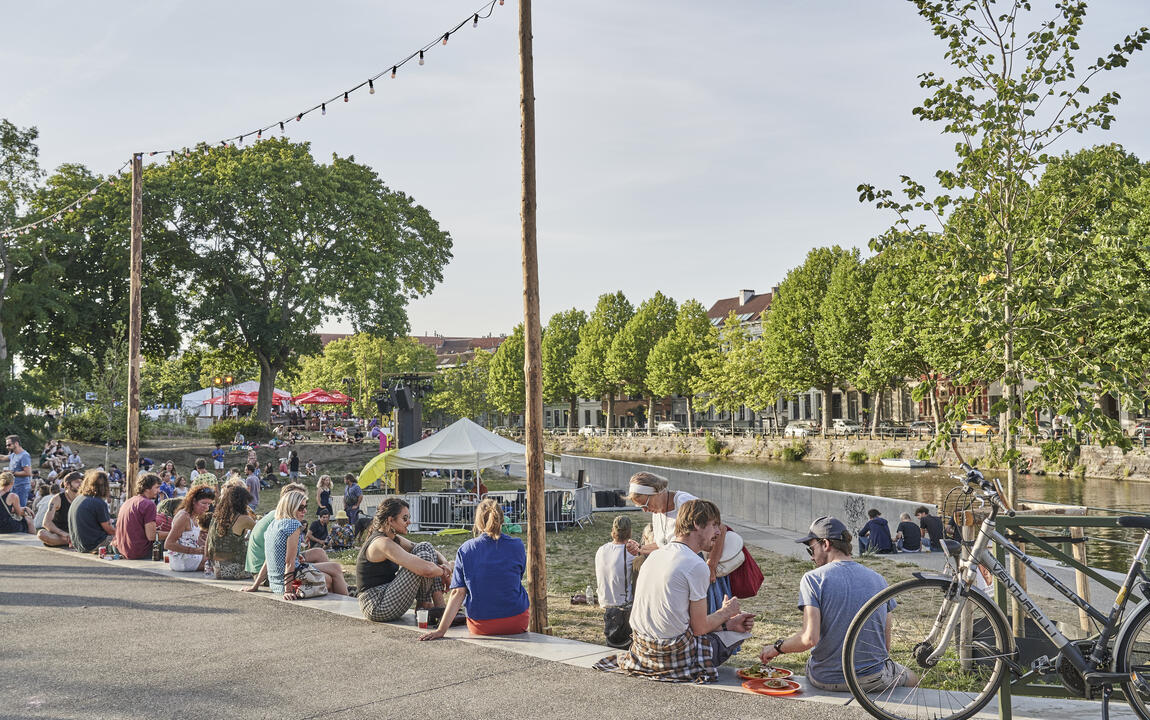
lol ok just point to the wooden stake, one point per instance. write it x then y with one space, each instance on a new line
532 363
131 466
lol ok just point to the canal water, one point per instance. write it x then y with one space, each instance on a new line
1108 549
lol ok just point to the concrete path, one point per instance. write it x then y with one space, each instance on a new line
115 639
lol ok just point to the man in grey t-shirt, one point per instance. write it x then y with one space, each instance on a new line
830 596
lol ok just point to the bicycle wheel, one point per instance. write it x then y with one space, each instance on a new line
957 685
1133 655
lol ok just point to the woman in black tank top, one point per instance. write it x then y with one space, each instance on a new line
392 573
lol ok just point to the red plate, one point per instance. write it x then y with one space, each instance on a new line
783 673
756 686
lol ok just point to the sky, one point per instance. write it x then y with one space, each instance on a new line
693 148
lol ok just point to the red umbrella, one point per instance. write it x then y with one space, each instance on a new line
313 396
235 397
341 399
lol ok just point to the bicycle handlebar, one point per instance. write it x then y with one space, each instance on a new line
973 477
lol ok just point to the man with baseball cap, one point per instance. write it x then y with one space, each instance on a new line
830 596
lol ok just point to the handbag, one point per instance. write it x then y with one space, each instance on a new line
732 557
309 581
617 618
747 578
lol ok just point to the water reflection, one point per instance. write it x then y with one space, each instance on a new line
931 485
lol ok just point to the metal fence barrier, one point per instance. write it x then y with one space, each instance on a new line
439 511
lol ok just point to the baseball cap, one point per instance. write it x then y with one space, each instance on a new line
824 528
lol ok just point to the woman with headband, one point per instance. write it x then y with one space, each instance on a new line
649 491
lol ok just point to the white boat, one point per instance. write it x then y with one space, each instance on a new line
904 463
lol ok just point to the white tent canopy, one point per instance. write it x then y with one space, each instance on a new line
463 445
194 402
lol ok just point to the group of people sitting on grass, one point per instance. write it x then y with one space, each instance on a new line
683 622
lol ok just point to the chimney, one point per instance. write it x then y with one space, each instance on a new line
774 290
745 296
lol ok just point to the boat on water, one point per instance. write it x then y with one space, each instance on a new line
905 463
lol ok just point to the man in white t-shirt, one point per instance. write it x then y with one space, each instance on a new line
673 636
613 566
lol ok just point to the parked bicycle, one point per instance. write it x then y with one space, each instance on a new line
946 630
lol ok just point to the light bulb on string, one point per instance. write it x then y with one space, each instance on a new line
445 36
392 72
475 21
500 3
281 126
323 108
370 87
259 134
299 117
345 97
420 57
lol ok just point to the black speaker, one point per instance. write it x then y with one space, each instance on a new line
383 403
403 399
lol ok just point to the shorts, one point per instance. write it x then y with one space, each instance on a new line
892 675
218 464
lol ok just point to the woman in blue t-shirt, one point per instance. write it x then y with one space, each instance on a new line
489 573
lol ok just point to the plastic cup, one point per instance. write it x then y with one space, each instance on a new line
421 618
103 553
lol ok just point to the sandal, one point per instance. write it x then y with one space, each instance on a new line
579 599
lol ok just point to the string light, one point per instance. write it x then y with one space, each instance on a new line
484 12
56 217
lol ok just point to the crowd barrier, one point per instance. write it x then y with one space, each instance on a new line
776 504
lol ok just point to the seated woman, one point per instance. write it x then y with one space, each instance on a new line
284 548
228 534
391 572
184 545
14 518
489 573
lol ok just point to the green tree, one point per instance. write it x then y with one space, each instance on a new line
673 365
461 392
627 358
844 325
19 173
1012 253
281 242
590 367
365 360
791 356
506 387
560 341
726 370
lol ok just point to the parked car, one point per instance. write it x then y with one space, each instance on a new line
1045 431
668 427
921 427
1141 430
845 426
800 428
590 430
892 429
976 427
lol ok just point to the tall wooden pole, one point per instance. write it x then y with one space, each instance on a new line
532 362
132 464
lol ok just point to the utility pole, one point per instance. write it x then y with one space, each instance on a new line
532 362
135 259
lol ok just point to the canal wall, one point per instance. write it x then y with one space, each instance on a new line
1093 461
777 504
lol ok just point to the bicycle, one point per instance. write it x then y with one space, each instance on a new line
954 646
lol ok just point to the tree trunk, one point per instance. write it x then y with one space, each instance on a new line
5 278
876 405
651 415
610 411
572 420
826 412
690 413
268 374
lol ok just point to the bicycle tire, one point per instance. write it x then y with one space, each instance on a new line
945 690
1134 654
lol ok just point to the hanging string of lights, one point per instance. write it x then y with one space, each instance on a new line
419 55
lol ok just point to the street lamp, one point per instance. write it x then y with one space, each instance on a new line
224 382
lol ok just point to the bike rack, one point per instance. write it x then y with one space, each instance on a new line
1019 525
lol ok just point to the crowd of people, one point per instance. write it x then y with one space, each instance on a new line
669 603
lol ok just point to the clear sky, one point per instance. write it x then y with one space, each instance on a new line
694 148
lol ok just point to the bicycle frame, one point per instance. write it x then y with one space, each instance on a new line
980 555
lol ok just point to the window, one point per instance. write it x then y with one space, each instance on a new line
586 417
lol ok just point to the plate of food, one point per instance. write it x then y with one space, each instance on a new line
772 686
761 672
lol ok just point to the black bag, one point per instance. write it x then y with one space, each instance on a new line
617 619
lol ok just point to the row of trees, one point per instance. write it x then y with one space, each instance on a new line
246 252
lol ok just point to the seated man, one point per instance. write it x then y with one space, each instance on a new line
136 521
908 538
317 533
830 596
674 639
875 535
55 530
